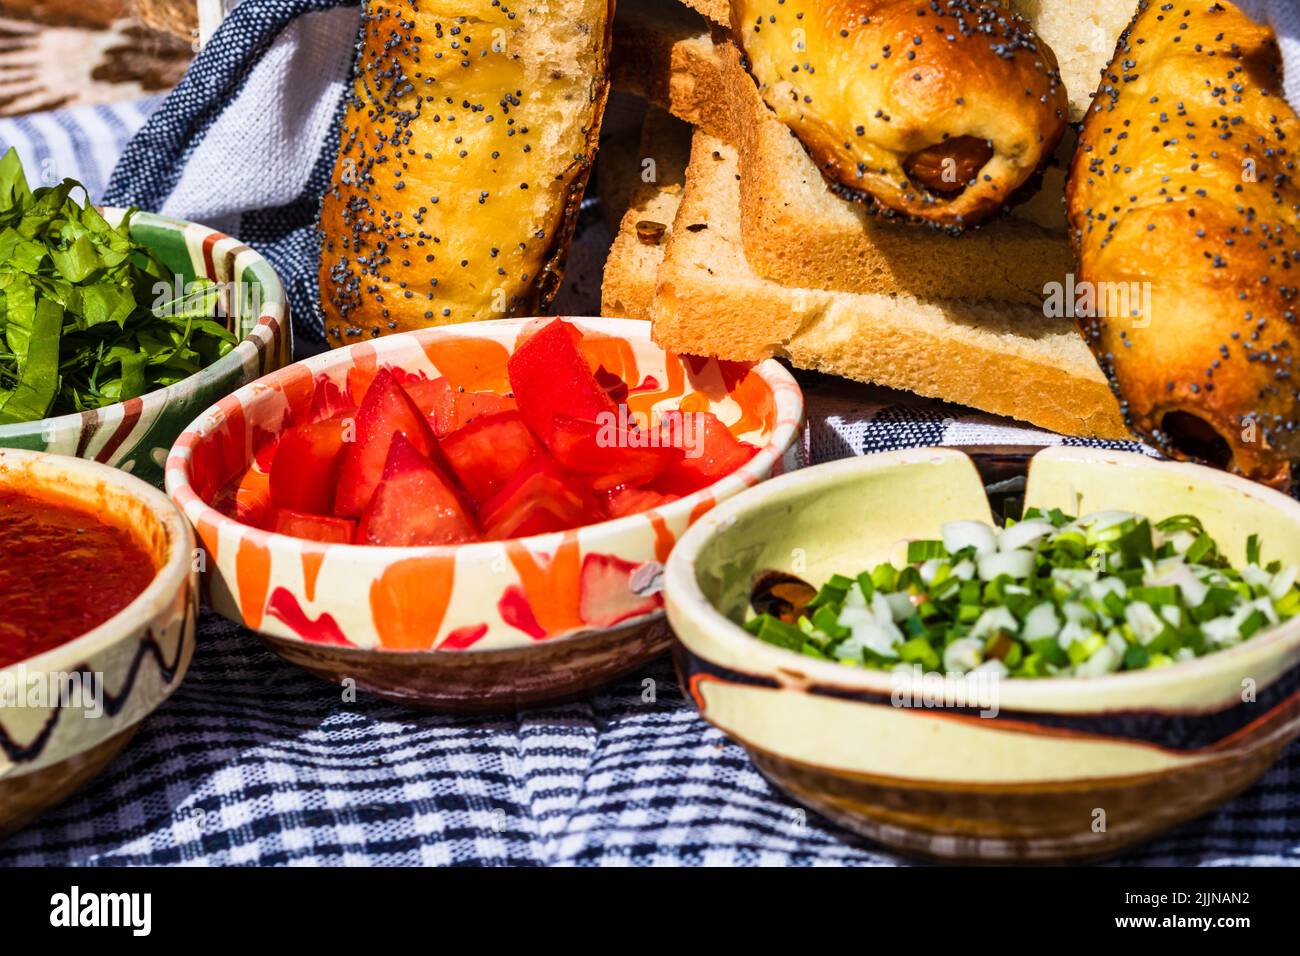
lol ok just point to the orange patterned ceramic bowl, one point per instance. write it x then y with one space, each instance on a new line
483 626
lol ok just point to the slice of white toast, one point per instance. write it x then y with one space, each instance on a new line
632 266
999 357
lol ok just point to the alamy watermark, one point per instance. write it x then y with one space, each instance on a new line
1105 300
628 429
71 690
916 687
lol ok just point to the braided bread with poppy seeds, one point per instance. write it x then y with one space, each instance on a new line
943 111
466 146
1183 190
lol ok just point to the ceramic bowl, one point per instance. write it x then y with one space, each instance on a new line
138 656
484 626
1046 769
135 435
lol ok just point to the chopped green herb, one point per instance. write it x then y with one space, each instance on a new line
79 327
1049 595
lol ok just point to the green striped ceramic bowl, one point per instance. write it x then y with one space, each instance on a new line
136 435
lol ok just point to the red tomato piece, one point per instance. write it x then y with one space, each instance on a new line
247 500
549 377
539 499
711 452
459 408
414 504
305 469
385 411
474 405
489 451
610 456
434 397
326 528
621 502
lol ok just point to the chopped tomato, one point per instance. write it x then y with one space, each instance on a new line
489 451
540 499
305 469
473 405
434 398
621 502
385 411
299 524
610 456
415 504
711 452
449 408
550 377
248 501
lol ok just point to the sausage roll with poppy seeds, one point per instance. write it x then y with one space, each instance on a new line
943 111
465 149
1182 193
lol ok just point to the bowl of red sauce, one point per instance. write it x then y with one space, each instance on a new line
99 599
473 517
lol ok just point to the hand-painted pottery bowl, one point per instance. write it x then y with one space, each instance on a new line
111 677
484 626
135 435
1057 768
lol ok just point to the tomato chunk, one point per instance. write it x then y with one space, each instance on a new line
540 499
449 408
489 451
299 524
621 502
305 469
434 397
414 504
386 411
549 377
711 452
610 456
471 406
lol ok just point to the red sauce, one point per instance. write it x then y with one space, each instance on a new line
62 572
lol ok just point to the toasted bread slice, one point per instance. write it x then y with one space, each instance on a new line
1003 358
633 264
665 52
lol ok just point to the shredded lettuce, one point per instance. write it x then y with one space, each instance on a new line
79 327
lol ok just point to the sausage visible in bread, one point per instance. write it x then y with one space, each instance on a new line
938 110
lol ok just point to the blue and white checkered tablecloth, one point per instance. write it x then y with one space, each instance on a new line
253 761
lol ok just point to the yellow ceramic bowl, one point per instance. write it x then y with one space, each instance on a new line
111 677
1042 769
484 626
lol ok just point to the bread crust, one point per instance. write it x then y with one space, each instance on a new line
1183 187
456 189
940 112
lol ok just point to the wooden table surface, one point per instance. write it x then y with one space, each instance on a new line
56 53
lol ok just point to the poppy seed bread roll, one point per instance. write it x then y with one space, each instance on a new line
937 110
465 148
1182 192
